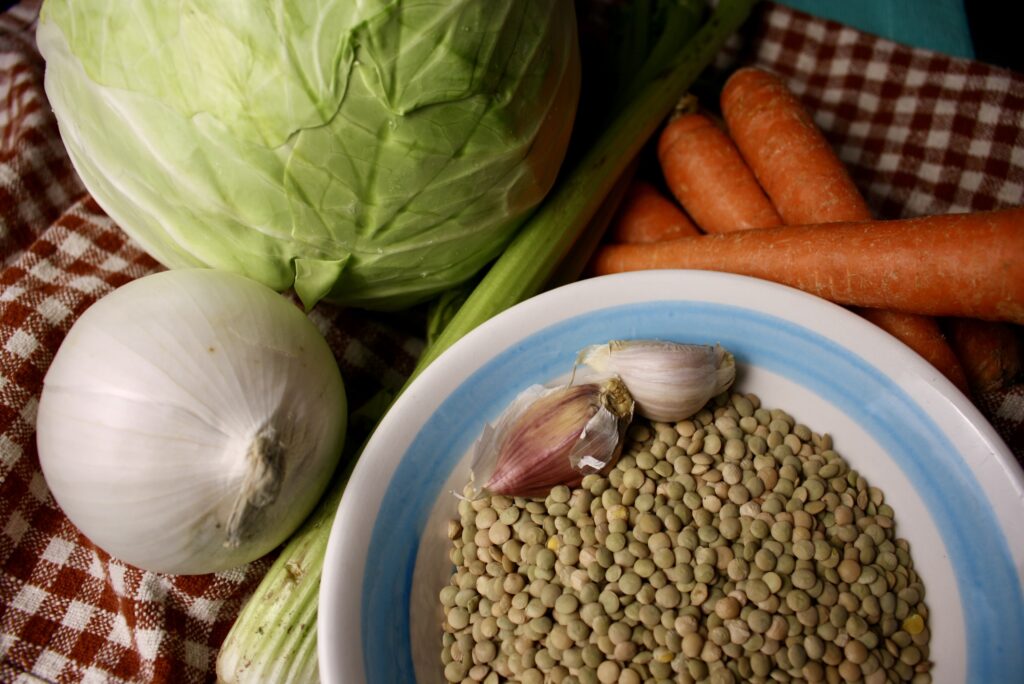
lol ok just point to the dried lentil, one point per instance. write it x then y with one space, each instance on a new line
734 545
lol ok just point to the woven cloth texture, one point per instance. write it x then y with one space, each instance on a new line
921 132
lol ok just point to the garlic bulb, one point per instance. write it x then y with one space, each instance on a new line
190 421
553 436
669 381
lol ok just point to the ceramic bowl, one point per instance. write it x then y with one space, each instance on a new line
957 491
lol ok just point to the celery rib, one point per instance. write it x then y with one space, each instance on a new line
537 249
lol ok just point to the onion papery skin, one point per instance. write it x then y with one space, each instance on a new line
152 403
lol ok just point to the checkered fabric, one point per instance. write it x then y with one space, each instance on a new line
922 133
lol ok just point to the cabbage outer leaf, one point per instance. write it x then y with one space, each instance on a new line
370 153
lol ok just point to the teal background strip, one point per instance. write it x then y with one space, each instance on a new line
939 25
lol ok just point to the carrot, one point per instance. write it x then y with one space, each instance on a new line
787 152
647 215
808 183
923 335
990 352
706 173
969 265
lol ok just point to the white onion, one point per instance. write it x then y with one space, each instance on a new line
190 421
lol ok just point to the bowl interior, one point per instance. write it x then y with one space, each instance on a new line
955 488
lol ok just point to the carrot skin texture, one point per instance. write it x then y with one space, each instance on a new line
989 351
706 173
789 155
968 265
810 184
647 215
924 336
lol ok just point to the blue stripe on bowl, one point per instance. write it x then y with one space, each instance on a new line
987 580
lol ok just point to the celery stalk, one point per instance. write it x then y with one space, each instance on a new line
573 266
535 252
274 637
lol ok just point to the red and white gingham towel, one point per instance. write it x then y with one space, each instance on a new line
922 133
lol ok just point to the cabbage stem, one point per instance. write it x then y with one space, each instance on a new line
274 637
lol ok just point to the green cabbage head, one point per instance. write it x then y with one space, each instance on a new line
366 152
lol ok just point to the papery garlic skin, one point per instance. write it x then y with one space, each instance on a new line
669 381
553 436
190 421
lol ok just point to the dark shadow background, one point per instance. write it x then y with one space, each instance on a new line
995 31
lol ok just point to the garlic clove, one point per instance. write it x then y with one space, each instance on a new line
669 381
553 436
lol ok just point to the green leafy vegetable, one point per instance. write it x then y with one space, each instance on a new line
371 153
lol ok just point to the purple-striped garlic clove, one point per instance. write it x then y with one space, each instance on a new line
555 436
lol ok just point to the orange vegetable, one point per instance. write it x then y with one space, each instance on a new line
787 152
808 183
969 265
647 215
706 173
990 352
923 335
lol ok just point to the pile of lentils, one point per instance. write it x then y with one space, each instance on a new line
734 546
